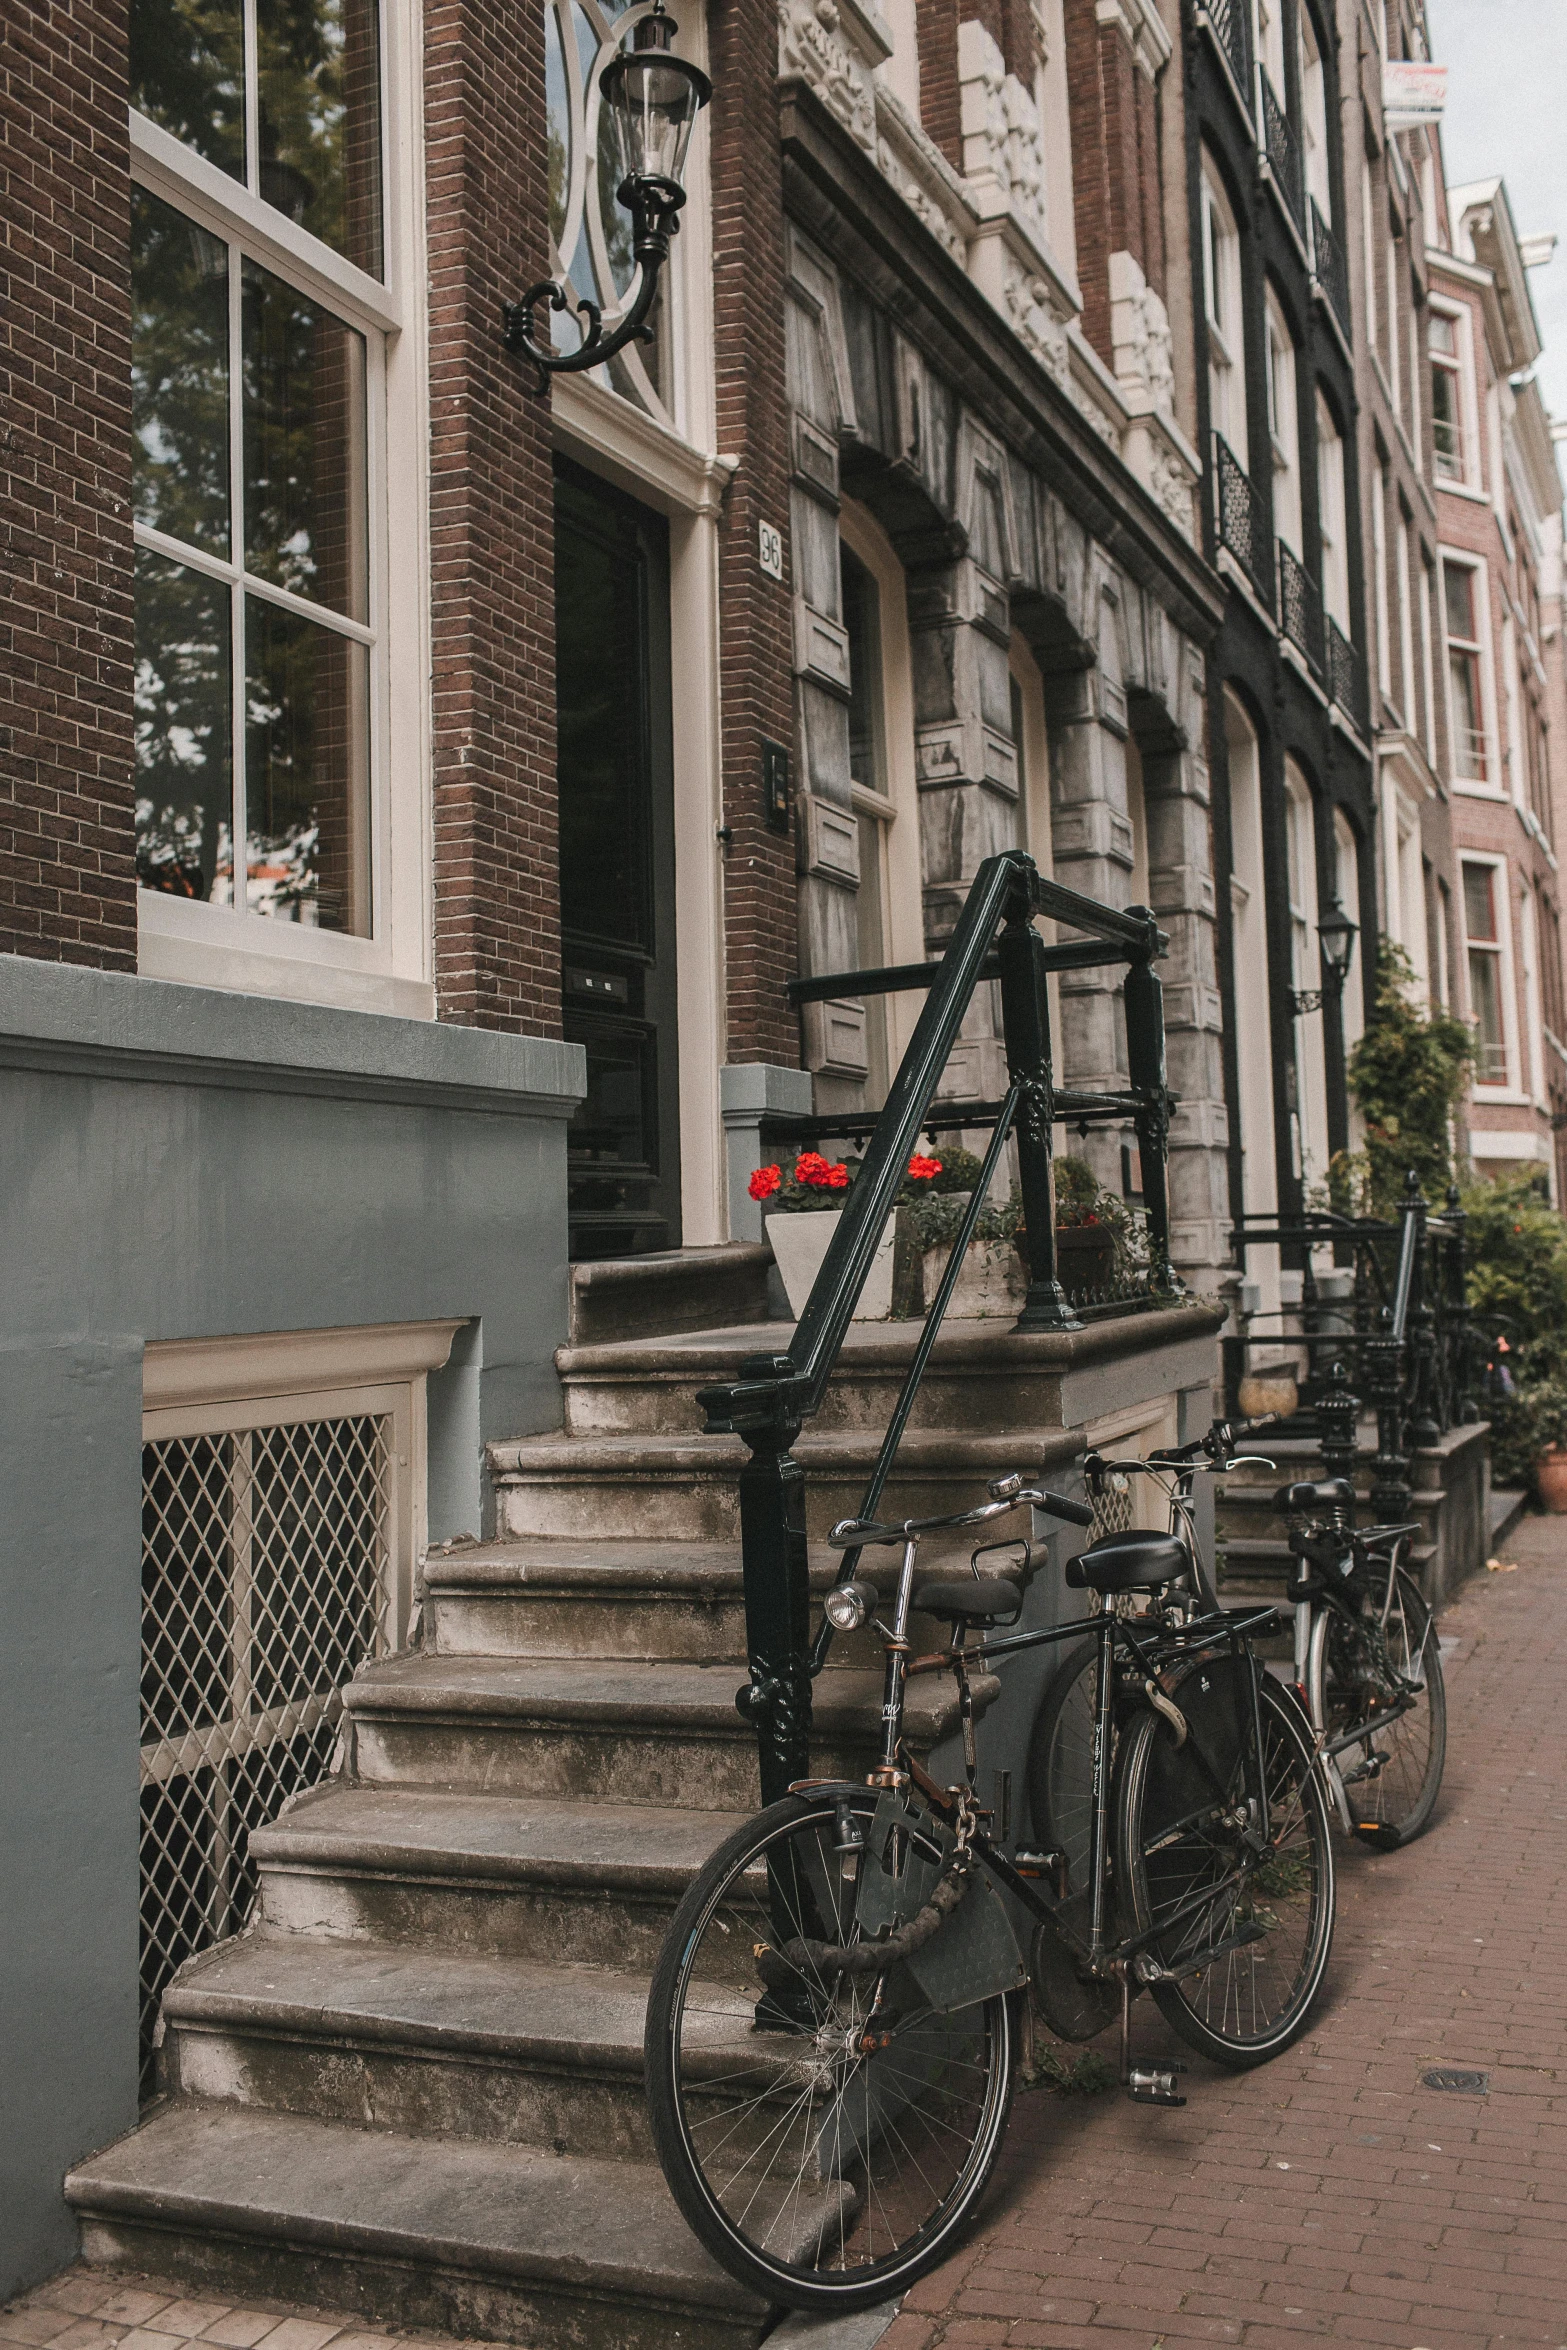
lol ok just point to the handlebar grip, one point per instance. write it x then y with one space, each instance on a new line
1057 1505
1250 1427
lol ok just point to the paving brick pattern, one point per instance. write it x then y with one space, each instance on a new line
1328 2196
99 2309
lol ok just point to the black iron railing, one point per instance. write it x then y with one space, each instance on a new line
1281 146
1300 608
1330 267
1346 676
1390 1326
1226 21
775 1393
1242 524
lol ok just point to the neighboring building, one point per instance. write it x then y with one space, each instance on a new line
394 766
1393 171
1499 502
1271 197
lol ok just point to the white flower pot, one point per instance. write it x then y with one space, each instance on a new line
991 1282
799 1243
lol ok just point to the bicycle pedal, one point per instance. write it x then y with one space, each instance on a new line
1379 1834
1155 2084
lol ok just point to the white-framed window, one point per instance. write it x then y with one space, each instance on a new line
1450 409
1392 345
270 267
1427 665
1300 837
1465 612
1283 427
1346 870
1221 260
1314 115
1512 698
1379 577
1406 635
1253 1033
1488 946
1270 43
1368 237
1529 941
1332 516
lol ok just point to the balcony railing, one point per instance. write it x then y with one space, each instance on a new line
1300 608
1226 20
1242 525
1332 269
1346 678
1282 149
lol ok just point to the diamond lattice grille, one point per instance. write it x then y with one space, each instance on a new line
266 1580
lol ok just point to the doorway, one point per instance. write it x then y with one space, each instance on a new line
615 768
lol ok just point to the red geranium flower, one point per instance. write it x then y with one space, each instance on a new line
923 1169
837 1178
765 1182
810 1167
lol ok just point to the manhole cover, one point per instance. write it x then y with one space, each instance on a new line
1446 2076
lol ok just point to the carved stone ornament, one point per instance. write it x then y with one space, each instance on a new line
1029 309
1003 149
1140 338
813 43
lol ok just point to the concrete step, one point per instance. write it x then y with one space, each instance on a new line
470 2237
573 1883
660 1734
680 1601
1508 1506
392 2036
667 1488
673 1290
1247 1512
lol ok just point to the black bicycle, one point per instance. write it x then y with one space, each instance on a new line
835 2019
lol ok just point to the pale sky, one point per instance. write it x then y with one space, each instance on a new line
1507 116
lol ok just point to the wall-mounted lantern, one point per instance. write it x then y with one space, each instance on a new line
652 99
1337 935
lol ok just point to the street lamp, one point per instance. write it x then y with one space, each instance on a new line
653 99
1336 935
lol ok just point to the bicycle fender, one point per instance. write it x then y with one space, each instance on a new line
975 1955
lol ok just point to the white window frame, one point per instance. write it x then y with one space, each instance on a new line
1384 643
1304 909
1428 581
1529 929
1332 516
1224 313
1475 787
227 946
1284 427
1406 640
1314 115
1460 366
1253 1029
1502 946
1368 239
895 808
1346 862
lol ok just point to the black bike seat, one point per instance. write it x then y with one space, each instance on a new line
965 1600
1326 1493
1137 1561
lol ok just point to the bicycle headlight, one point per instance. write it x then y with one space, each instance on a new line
849 1605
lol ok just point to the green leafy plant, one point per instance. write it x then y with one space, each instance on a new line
1409 1073
1531 1421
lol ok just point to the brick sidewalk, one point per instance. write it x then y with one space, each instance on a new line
1328 2195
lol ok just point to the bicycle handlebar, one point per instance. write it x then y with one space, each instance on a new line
851 1533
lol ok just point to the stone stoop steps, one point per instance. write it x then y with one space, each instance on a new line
412 2087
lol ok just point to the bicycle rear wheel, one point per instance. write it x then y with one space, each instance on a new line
1061 1763
1241 1939
825 2147
1359 1673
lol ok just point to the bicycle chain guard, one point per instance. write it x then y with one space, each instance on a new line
975 1955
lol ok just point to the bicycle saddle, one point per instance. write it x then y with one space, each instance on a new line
1326 1493
967 1600
1138 1561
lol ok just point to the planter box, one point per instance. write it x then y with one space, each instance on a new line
992 1281
1085 1259
800 1241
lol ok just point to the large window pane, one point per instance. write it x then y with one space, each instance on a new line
319 117
188 74
1469 749
1480 902
1485 993
183 703
304 446
179 375
307 770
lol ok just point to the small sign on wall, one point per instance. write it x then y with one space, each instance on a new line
769 549
775 786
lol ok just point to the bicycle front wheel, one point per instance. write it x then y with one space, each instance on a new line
1382 1673
825 2132
1240 1939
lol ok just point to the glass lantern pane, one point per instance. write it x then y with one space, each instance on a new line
319 120
179 376
187 60
184 724
307 772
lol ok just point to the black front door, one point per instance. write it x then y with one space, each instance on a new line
617 864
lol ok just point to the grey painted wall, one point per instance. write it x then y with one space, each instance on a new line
178 1163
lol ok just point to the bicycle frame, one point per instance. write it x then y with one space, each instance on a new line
1042 1901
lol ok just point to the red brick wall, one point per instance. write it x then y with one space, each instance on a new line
936 23
1113 109
497 918
756 652
67 847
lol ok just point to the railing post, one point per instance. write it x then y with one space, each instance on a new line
1338 1415
1025 1021
1145 1059
775 1568
1424 1430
